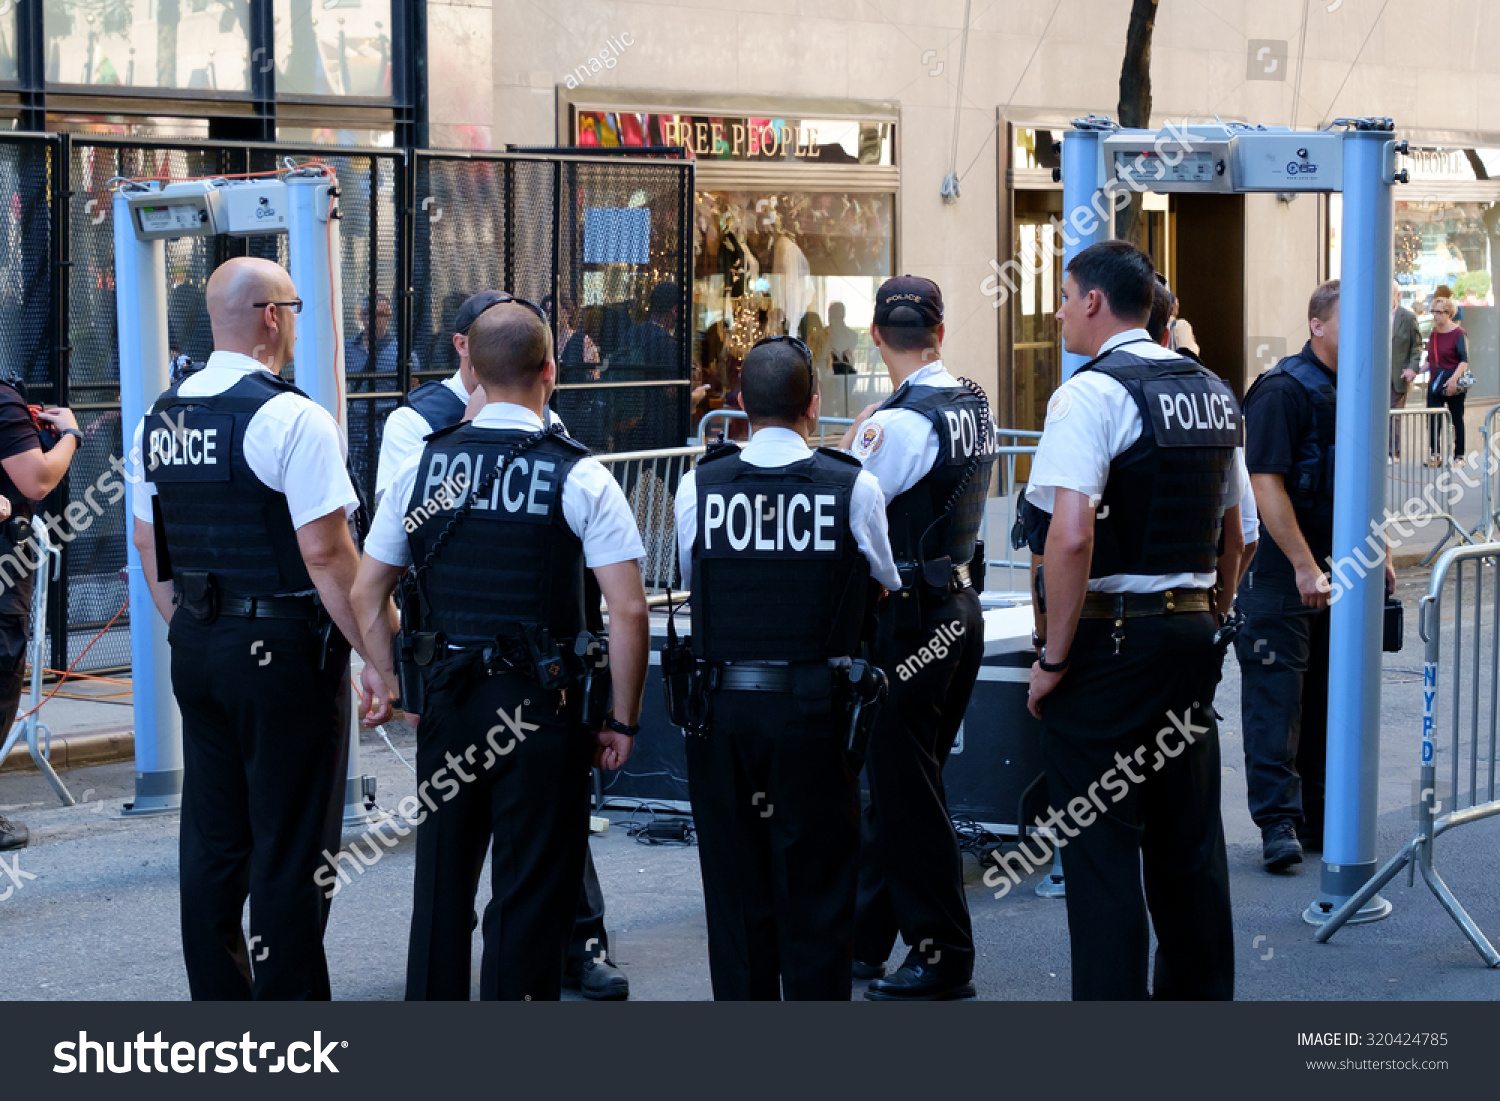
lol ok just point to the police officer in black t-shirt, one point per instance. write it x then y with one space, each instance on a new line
33 460
1283 646
500 517
774 783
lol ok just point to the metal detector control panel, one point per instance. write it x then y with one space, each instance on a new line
1223 159
206 208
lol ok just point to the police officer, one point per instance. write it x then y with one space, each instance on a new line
34 458
1283 646
440 404
242 527
1140 472
500 555
931 446
774 785
437 403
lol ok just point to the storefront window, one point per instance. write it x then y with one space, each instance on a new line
1451 245
333 47
191 44
8 68
329 135
799 263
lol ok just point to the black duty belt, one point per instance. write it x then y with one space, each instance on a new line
1137 605
755 678
269 607
959 577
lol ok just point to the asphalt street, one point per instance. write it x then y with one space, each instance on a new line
89 911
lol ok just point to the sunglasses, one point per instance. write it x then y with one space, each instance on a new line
295 305
505 299
802 348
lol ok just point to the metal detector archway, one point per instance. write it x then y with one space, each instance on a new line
1101 163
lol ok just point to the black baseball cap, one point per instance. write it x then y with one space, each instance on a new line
473 306
909 301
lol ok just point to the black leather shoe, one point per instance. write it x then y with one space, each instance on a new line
598 980
863 970
915 982
13 835
1279 846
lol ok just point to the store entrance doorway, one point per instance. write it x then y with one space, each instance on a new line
1207 272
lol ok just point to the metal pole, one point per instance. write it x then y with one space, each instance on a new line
1081 224
1361 443
141 310
315 261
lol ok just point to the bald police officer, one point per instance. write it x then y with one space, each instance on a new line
498 559
1142 474
242 527
429 408
775 788
931 446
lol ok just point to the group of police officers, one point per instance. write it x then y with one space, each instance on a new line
811 571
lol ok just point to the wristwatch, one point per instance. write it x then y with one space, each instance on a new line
77 435
630 731
1058 667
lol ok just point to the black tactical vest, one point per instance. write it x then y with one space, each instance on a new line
777 574
512 560
216 514
437 404
926 522
1163 507
1309 483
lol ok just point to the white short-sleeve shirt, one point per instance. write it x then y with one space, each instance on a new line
1091 419
900 446
292 444
774 447
593 504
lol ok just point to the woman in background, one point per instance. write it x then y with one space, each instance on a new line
1447 365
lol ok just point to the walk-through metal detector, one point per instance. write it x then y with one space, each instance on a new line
303 204
1100 164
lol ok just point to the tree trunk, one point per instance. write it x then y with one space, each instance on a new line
1135 106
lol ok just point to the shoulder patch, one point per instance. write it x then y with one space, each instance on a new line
1060 405
721 450
870 438
842 456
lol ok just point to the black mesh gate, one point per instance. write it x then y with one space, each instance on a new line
603 244
370 185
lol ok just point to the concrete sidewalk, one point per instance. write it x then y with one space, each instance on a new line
99 920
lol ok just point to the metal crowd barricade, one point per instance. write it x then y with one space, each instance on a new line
1415 491
1467 786
1009 490
49 558
1489 519
650 480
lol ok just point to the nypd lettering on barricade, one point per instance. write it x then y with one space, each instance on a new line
194 448
769 520
525 490
1193 411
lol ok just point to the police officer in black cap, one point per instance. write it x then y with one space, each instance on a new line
931 446
500 518
774 783
441 404
1140 472
242 527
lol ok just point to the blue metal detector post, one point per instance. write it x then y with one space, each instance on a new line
1357 159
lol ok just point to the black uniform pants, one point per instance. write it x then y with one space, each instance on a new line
776 807
15 631
911 870
500 770
589 941
264 762
1283 654
1132 755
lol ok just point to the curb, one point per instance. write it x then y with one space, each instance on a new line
95 747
